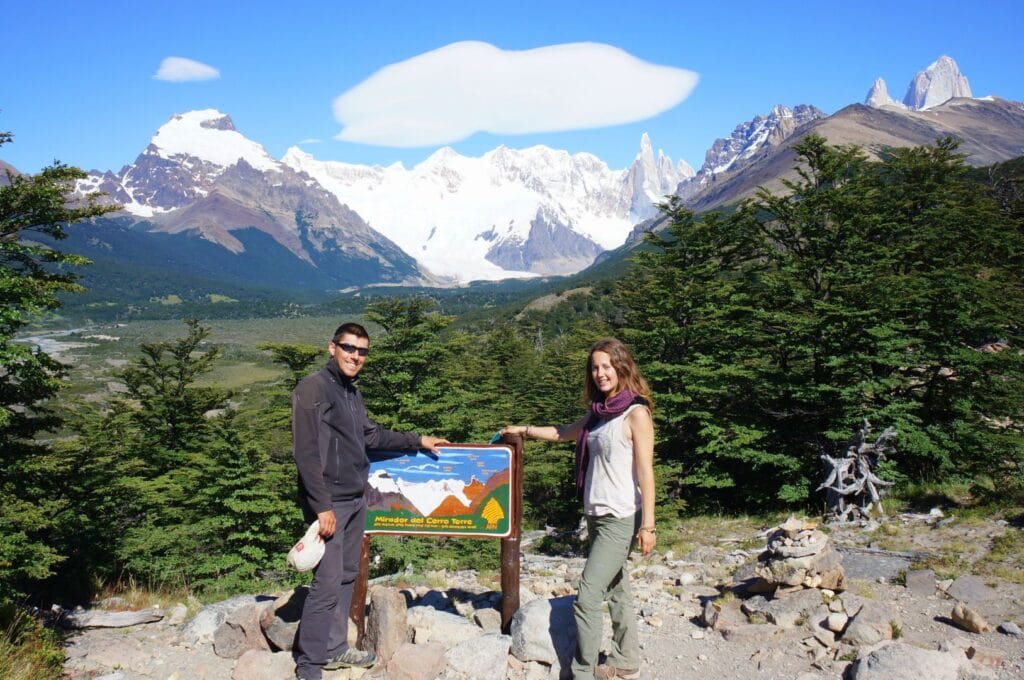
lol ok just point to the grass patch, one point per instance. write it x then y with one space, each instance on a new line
1004 557
28 651
946 564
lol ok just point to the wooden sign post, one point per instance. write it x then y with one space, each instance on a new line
470 491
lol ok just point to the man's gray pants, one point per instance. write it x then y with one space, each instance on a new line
323 629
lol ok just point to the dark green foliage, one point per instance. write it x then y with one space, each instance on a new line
298 359
173 489
867 290
31 276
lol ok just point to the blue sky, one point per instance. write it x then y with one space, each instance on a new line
78 81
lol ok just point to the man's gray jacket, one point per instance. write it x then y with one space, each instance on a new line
331 432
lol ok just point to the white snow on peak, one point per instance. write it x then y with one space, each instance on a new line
210 136
450 210
425 496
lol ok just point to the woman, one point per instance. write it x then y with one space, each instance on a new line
615 477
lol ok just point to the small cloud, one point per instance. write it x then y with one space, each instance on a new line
180 70
450 93
311 140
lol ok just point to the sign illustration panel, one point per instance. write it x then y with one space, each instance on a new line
463 492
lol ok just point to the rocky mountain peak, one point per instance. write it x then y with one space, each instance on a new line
218 122
207 136
751 136
936 84
878 96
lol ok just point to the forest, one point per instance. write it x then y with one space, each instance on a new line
886 288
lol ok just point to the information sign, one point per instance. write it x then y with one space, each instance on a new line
463 492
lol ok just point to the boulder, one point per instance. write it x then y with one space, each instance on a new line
178 614
488 619
386 626
862 634
921 582
432 625
968 619
1011 628
100 618
837 622
897 661
545 630
417 662
280 621
255 664
972 590
483 658
205 623
751 632
241 632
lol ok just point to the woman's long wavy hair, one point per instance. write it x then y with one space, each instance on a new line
625 368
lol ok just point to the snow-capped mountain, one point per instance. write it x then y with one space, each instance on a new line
507 213
424 496
748 141
934 85
200 177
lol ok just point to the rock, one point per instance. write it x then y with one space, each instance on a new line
921 582
970 589
99 618
203 625
484 658
897 661
417 662
686 578
836 605
711 615
880 616
968 619
241 632
751 632
432 625
837 622
833 579
1011 628
488 619
545 630
280 621
386 626
861 634
255 664
786 611
986 656
177 615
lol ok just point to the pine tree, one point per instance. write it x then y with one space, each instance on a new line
864 290
32 276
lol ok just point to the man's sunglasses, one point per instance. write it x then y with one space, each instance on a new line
351 349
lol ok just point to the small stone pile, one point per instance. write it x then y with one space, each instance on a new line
799 556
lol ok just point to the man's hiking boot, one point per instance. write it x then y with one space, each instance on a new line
351 658
606 672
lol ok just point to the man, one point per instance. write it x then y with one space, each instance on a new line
331 435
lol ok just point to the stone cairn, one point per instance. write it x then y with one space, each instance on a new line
799 556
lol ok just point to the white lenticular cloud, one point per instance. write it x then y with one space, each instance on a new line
181 70
450 93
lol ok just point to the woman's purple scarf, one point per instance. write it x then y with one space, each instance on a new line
600 410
